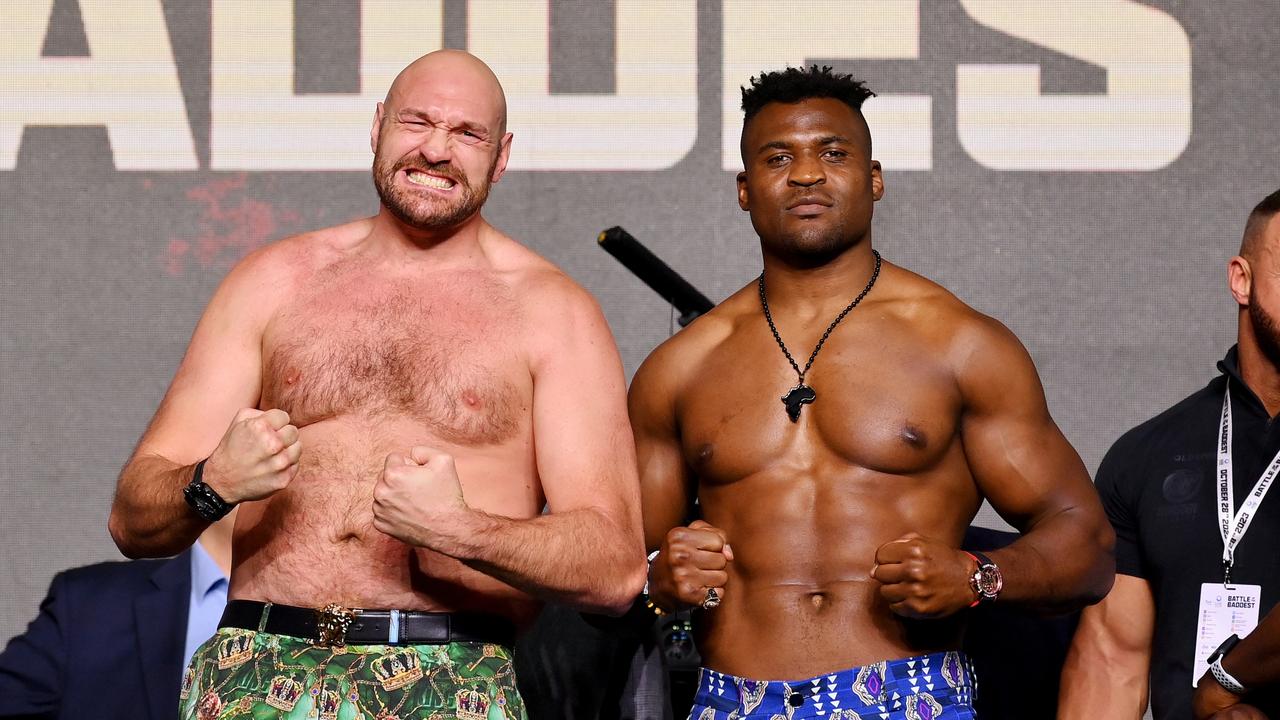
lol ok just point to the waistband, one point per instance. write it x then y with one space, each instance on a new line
334 625
922 686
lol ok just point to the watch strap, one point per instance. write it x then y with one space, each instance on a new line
644 594
648 566
204 500
1225 678
982 559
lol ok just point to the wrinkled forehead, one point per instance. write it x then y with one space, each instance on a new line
453 88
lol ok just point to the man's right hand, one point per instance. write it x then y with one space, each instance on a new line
256 458
692 560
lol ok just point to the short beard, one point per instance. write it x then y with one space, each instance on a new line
1266 331
811 249
427 213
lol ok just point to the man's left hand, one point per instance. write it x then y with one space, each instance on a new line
418 497
923 578
1211 700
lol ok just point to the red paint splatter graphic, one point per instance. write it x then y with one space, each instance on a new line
231 227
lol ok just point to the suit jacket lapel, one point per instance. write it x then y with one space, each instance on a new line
161 617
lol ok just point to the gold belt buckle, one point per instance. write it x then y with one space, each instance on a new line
332 622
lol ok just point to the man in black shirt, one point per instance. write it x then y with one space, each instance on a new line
1159 484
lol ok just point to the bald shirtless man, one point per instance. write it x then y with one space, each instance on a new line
826 558
391 403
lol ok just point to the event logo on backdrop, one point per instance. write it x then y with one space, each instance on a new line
129 83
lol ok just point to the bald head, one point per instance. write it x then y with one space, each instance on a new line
440 141
1255 229
454 75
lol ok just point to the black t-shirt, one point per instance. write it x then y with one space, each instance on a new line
1157 484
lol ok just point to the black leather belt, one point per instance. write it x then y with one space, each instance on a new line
334 625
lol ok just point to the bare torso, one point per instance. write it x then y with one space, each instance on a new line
805 505
370 359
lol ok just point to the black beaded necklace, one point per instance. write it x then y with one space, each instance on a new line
802 394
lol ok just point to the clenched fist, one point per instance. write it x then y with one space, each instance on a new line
692 560
256 458
923 578
418 496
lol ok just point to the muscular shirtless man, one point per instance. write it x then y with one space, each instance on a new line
831 520
391 403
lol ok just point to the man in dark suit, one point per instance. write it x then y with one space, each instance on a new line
111 638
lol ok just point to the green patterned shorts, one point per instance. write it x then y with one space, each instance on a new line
259 676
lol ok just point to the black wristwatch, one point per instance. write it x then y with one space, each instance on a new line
986 582
1223 649
203 499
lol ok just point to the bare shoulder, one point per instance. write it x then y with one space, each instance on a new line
276 270
268 279
959 332
543 291
558 316
683 355
990 366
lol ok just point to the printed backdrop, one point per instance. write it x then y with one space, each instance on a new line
1079 169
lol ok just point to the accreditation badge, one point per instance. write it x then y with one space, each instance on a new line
1225 610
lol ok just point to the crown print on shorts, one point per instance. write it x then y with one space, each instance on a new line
236 649
396 669
284 693
209 707
472 705
328 705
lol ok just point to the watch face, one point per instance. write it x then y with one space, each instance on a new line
989 581
205 502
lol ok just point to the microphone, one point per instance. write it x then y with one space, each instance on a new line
656 274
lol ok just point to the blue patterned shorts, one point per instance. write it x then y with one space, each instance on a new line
926 687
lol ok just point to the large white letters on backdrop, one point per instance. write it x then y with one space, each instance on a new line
129 84
761 36
1143 122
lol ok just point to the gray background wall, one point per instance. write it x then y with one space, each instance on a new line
1114 279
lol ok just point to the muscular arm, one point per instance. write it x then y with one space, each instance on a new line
664 478
696 557
1032 477
219 376
1106 671
586 551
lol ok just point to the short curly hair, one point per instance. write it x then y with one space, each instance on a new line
795 84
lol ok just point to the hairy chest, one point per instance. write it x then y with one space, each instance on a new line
447 355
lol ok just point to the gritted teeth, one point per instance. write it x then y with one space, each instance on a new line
421 178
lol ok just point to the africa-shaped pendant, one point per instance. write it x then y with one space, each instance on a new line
799 395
